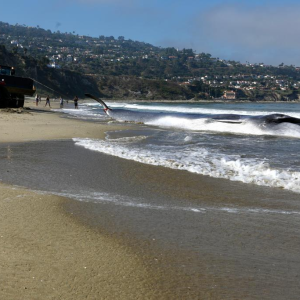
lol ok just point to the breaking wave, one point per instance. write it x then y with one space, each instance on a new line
203 161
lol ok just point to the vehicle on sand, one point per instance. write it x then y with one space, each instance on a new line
13 88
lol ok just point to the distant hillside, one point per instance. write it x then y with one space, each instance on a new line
120 68
129 87
107 55
54 82
68 83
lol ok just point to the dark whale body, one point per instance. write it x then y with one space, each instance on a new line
133 116
281 118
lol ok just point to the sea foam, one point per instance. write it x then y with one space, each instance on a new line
205 161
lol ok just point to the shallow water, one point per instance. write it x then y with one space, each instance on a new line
186 137
206 238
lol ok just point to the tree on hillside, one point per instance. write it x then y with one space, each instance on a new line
15 50
44 61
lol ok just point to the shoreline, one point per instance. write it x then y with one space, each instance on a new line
108 100
41 123
47 253
50 250
162 248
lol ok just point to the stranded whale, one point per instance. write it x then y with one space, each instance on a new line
134 116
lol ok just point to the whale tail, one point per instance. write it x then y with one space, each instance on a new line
105 107
280 118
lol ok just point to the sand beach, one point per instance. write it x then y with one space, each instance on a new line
45 253
158 233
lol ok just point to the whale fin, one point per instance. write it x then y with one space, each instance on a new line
98 100
229 121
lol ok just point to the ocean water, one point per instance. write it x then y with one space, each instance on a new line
204 238
221 140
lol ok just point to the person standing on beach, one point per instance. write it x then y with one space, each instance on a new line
47 101
37 100
76 102
61 102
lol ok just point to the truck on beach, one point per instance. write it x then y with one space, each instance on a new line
13 88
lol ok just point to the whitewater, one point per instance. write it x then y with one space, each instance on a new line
183 136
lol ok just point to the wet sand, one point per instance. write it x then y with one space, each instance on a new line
179 235
47 254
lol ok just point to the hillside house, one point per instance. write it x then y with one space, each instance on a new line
229 95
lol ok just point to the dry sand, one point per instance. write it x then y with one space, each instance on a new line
44 252
41 123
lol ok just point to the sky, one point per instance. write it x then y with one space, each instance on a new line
252 31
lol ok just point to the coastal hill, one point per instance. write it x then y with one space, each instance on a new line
119 68
68 83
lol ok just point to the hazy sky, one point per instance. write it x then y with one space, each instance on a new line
255 31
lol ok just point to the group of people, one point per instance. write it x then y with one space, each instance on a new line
61 101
